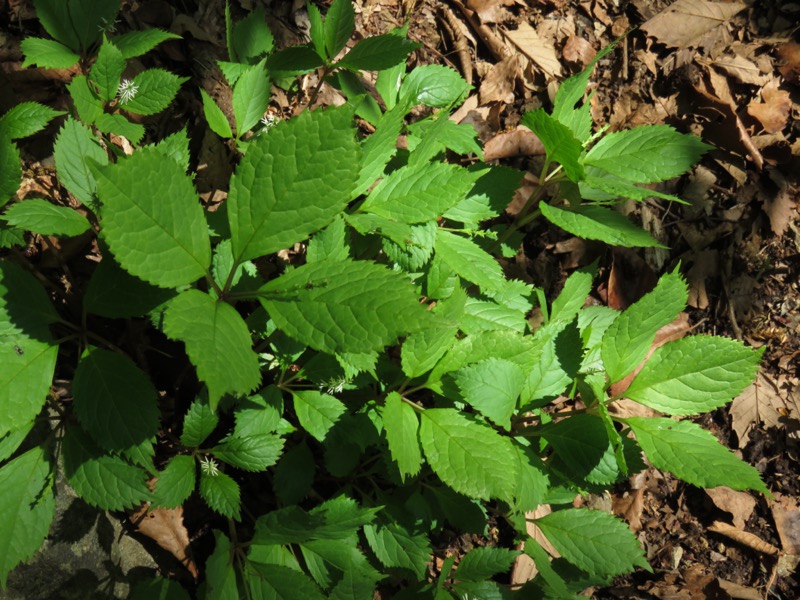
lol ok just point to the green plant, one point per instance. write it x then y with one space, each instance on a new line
386 386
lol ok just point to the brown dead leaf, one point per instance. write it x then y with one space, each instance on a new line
739 504
762 403
520 142
742 69
743 537
630 508
780 205
774 109
786 512
705 265
630 278
542 54
498 83
685 22
165 527
578 52
789 54
490 11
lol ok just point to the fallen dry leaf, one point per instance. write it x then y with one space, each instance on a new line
774 109
535 48
630 278
780 205
762 403
165 527
685 22
786 512
490 11
739 504
578 52
744 538
524 566
705 265
630 508
520 142
789 54
742 69
498 83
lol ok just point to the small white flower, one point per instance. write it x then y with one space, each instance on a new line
108 26
333 386
268 121
209 466
127 91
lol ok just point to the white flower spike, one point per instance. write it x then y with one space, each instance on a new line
127 91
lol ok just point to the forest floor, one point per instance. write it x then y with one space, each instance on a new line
726 71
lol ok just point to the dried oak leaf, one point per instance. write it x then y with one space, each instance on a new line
774 109
789 54
763 403
165 526
685 22
739 504
538 50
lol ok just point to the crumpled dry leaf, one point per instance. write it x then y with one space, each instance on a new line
762 403
789 54
524 567
542 54
520 142
739 504
578 51
745 538
780 205
491 11
165 527
705 265
630 508
786 512
742 69
774 109
685 22
498 83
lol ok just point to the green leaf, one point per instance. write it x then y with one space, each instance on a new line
421 351
221 579
610 184
469 261
340 307
75 148
471 458
317 28
484 562
87 103
199 422
628 339
593 540
28 507
429 137
166 244
277 582
693 454
136 43
487 316
647 154
420 193
26 119
10 236
573 295
559 142
251 37
12 440
116 294
378 52
396 546
120 125
101 479
694 375
358 577
250 98
107 70
176 147
176 482
492 387
433 85
10 169
156 89
294 475
221 493
42 217
76 24
251 453
400 424
260 413
379 148
532 481
217 120
158 587
217 341
292 182
339 25
554 362
330 243
599 223
317 412
114 400
292 61
47 54
27 351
